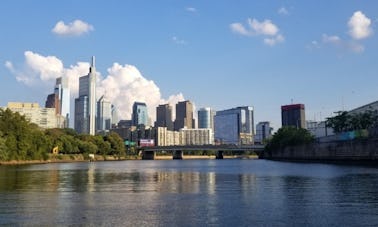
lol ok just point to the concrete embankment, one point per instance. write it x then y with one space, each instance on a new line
362 150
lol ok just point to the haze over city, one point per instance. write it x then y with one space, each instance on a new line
216 54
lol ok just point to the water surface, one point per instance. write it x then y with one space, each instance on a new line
189 193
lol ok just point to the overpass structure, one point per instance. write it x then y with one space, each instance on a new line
149 153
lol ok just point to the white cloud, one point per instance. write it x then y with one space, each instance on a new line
273 41
266 28
191 9
75 28
336 41
359 26
123 85
283 11
178 41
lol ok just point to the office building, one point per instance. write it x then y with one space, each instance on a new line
201 136
263 132
43 117
139 115
184 116
206 118
104 114
164 117
85 104
234 126
293 115
60 100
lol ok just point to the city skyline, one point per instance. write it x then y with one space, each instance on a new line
219 55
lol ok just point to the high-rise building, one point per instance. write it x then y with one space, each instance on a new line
85 104
293 115
164 116
139 115
60 100
234 126
206 118
63 92
263 132
184 116
104 114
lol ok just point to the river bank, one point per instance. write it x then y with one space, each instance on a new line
80 158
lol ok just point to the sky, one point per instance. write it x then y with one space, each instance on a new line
219 54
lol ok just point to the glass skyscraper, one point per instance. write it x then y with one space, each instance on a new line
234 126
85 104
140 115
206 118
104 114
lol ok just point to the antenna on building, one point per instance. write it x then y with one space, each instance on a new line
93 61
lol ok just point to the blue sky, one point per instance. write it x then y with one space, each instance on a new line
220 54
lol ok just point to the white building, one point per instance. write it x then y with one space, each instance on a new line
200 136
319 129
43 117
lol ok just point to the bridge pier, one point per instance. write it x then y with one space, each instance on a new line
219 155
148 155
177 154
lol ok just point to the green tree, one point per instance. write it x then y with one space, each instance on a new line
289 136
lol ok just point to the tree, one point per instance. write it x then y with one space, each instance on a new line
289 136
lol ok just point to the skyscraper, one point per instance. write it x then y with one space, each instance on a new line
263 132
164 116
293 115
85 104
139 115
234 126
104 114
60 100
206 118
184 115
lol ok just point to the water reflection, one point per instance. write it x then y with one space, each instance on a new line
190 193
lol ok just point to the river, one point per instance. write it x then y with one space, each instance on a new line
230 192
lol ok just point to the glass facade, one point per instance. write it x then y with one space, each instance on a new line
234 126
139 115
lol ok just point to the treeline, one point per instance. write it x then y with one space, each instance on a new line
345 121
22 140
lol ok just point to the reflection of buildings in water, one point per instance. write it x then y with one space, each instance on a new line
178 182
91 178
211 183
247 183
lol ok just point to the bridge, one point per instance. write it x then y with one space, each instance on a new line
149 153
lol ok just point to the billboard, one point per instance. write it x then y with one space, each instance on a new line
146 142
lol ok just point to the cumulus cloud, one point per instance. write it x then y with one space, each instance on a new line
75 28
359 26
123 84
266 28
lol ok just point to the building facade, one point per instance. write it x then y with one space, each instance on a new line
206 118
164 117
43 117
293 115
203 136
104 114
234 126
85 104
263 132
60 101
139 115
184 116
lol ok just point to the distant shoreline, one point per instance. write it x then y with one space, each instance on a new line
80 158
